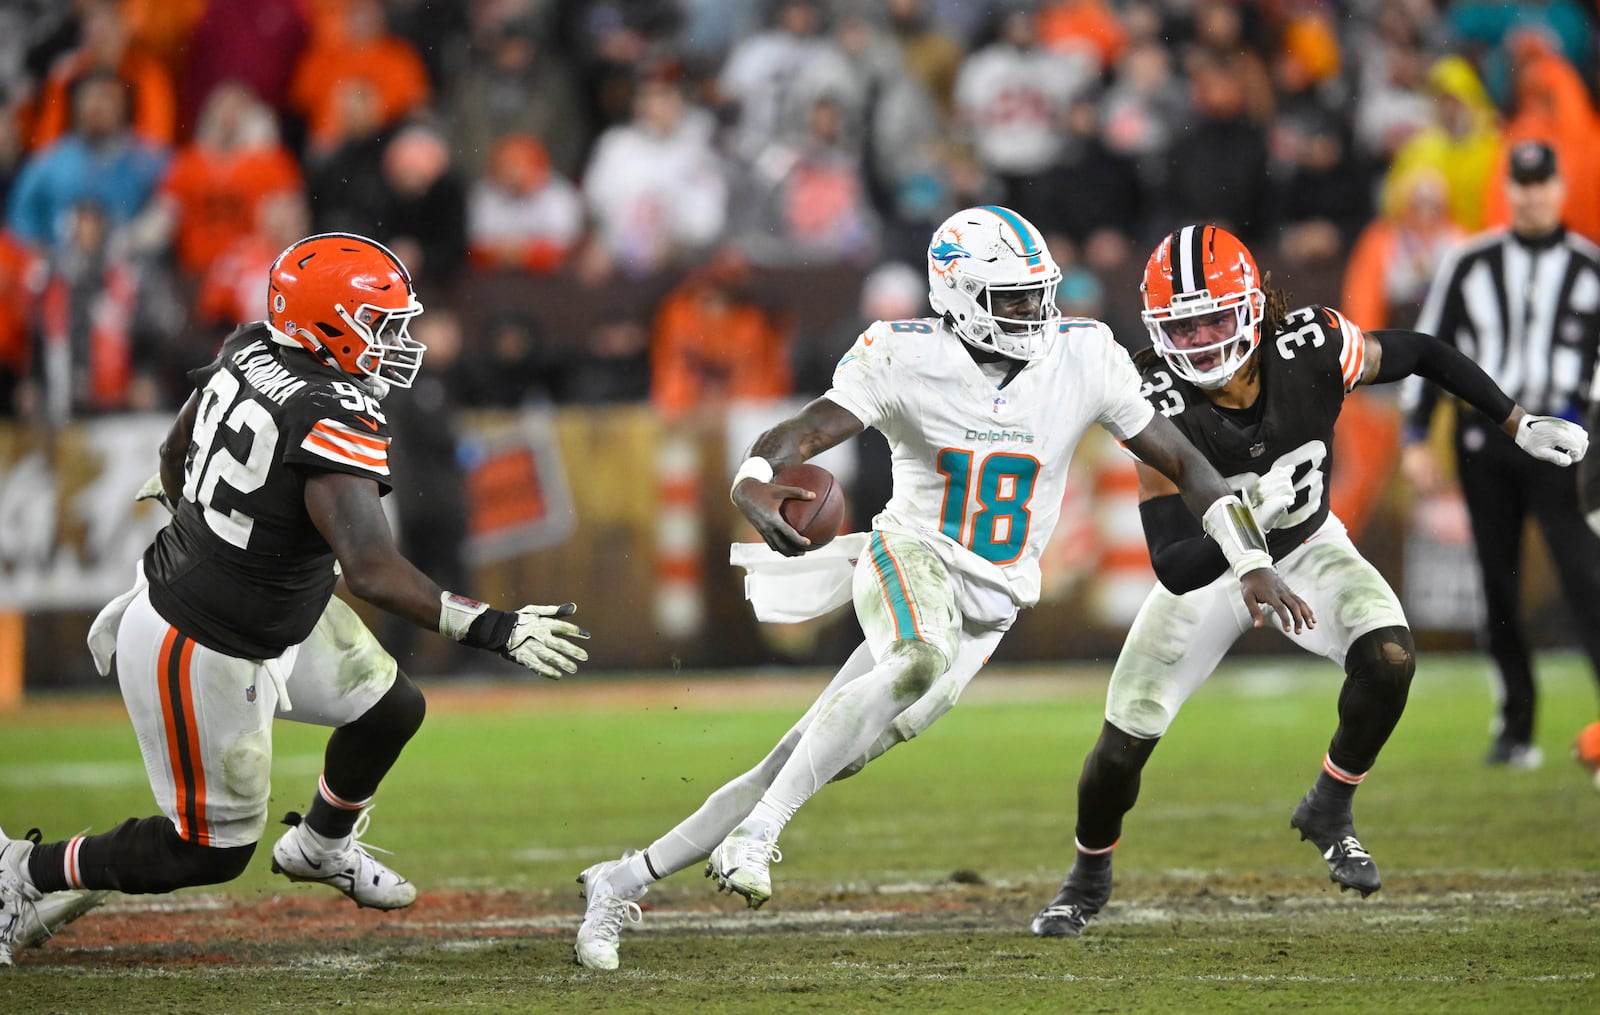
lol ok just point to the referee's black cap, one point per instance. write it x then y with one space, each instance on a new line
1532 162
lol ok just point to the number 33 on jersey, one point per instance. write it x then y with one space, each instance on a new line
1308 365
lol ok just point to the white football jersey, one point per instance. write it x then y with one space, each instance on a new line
979 470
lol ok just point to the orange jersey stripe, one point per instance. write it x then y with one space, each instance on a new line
337 430
315 440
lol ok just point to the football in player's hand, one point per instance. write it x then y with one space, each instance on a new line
1586 751
818 520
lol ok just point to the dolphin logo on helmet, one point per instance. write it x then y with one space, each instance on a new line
981 251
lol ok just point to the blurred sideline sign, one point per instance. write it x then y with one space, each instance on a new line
70 532
517 491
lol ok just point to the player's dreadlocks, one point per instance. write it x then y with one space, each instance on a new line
1277 306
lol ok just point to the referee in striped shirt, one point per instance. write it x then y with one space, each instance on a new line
1524 303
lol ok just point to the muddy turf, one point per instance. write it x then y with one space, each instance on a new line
906 889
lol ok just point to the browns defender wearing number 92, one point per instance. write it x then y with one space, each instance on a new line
1257 389
274 469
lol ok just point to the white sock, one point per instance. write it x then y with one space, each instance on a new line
851 722
692 839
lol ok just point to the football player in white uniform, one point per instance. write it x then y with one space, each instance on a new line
1257 389
982 407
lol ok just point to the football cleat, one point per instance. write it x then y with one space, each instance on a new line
741 865
1334 835
1514 755
352 870
1080 898
57 909
17 894
596 947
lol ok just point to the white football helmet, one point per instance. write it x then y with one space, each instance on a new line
978 252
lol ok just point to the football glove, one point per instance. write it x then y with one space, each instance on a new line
1551 439
153 490
1272 495
533 636
539 642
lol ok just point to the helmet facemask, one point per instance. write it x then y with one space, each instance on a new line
1206 360
391 355
1013 336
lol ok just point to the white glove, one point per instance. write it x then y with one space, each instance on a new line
1551 439
539 642
1272 495
153 490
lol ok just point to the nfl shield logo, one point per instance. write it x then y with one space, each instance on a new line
250 693
999 403
1256 450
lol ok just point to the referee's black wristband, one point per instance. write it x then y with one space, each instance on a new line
490 630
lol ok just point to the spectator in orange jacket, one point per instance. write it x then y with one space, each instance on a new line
108 45
1552 106
211 188
1393 261
367 54
713 346
231 290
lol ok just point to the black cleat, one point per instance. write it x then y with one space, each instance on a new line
1080 898
1334 835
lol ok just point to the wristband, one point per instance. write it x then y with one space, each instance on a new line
1234 528
753 468
456 614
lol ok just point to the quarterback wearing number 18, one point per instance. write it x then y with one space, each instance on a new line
982 405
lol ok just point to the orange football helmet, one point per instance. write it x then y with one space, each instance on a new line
347 299
1203 304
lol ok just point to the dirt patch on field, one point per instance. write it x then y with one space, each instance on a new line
318 929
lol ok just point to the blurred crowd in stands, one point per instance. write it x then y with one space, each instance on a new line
662 183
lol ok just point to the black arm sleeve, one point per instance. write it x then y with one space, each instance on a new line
1184 557
1412 352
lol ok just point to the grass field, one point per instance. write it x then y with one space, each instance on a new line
908 888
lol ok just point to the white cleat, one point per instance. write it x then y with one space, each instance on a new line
18 897
742 865
352 870
57 909
596 947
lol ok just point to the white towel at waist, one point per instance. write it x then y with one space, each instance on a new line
103 632
787 590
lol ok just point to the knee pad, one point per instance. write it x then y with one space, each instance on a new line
214 865
920 664
399 713
180 863
1384 660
